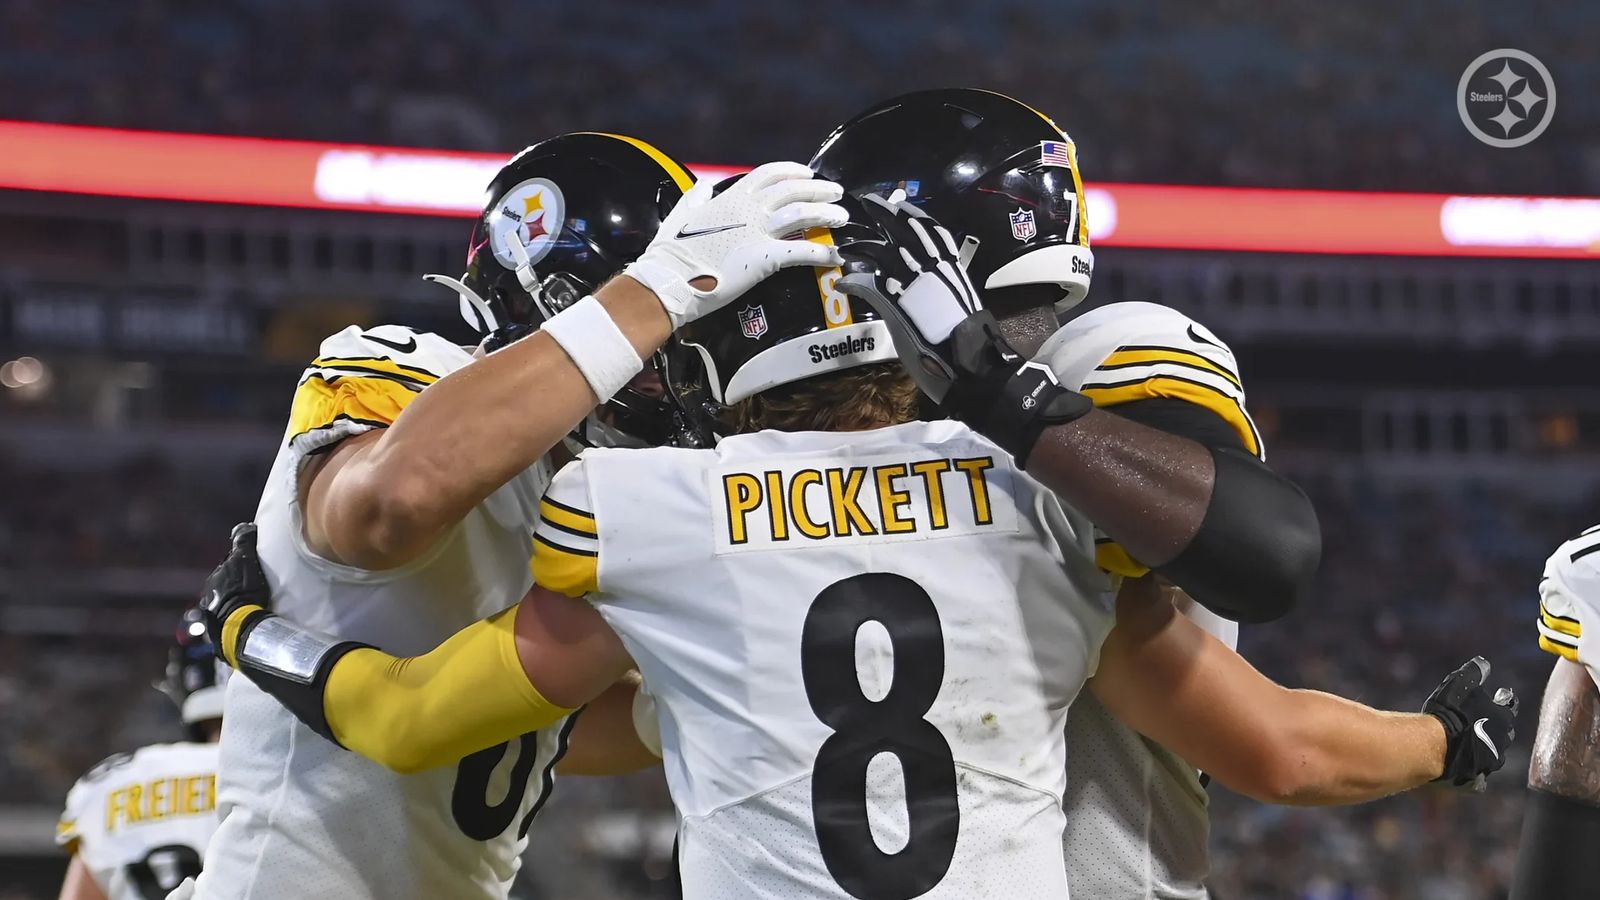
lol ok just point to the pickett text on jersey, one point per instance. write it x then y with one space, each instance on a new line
860 500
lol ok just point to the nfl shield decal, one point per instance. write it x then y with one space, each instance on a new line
1022 224
753 322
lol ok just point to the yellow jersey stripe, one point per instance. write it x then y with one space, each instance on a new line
567 518
679 175
1127 357
374 366
1561 650
374 401
1110 556
1560 624
563 569
1177 388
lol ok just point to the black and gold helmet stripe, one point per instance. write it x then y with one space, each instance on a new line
679 175
1072 154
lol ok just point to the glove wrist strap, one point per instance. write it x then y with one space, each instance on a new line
1015 409
671 289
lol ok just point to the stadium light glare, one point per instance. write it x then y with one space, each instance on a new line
258 171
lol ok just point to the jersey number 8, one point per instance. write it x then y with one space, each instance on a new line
864 728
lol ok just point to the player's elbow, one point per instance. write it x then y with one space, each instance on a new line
382 523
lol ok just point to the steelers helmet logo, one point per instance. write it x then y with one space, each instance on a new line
530 215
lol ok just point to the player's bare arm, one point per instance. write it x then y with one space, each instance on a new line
1239 538
1561 818
519 670
1562 812
1566 747
79 884
607 739
380 501
1164 676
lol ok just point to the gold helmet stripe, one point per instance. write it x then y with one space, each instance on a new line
1072 154
680 176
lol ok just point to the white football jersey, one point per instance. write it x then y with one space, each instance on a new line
304 819
141 821
1569 602
1137 820
861 645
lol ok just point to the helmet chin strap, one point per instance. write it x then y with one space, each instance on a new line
526 277
969 249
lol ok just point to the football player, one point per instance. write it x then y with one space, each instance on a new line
137 824
862 631
411 470
1005 179
1561 819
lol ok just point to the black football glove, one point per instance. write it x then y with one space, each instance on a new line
1478 728
287 661
947 341
235 584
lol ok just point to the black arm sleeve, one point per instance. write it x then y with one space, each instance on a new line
1557 860
1259 545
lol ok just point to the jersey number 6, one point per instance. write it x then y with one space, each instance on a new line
863 728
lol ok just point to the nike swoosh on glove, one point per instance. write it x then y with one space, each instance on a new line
1478 728
947 341
738 232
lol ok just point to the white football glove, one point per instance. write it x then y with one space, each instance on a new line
738 236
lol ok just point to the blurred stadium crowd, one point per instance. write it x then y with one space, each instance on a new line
1297 93
1393 557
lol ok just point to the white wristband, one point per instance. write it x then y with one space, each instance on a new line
597 346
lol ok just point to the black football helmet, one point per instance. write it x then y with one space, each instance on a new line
996 172
561 218
794 325
195 674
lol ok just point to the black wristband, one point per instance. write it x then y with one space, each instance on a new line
1015 408
296 683
1557 859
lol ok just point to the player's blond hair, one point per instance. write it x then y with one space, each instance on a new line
871 396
